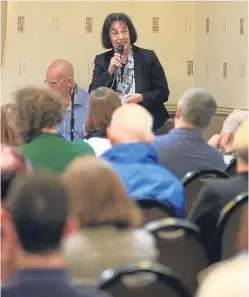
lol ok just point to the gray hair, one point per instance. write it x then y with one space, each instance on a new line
234 120
197 107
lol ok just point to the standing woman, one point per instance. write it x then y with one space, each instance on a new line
137 75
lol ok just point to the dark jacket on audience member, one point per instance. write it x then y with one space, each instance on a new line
43 283
150 81
184 149
137 166
210 201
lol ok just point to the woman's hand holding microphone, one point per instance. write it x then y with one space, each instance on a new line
115 63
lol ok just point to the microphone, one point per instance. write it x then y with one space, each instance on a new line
71 92
120 50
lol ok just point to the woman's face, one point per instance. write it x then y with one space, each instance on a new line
120 34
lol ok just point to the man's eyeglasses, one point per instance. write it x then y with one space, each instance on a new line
55 84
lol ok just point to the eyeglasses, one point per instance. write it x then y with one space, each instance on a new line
115 34
55 84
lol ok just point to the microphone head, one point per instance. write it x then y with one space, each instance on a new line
120 49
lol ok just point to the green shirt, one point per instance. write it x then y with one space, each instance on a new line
53 152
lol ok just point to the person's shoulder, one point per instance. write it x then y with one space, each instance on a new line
215 151
104 55
81 145
162 140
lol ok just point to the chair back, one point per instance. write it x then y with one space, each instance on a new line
229 225
195 180
155 210
231 167
180 248
142 279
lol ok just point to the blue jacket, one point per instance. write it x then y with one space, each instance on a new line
137 166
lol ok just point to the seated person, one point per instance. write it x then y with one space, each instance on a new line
234 269
217 193
103 102
224 140
8 135
105 231
184 149
38 112
60 79
39 210
135 160
228 278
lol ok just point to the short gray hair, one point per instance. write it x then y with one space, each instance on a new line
197 107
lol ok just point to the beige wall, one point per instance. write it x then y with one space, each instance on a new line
223 44
57 30
3 25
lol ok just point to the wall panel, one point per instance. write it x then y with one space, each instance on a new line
175 30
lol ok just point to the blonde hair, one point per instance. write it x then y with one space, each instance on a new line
97 196
240 143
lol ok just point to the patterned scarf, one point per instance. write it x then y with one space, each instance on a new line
125 84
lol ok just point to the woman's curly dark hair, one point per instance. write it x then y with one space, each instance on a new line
37 109
116 17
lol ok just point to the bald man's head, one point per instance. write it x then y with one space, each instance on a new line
130 123
60 77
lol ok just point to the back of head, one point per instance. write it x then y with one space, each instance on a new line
39 209
102 103
37 109
131 123
227 278
233 121
97 196
197 107
240 142
12 163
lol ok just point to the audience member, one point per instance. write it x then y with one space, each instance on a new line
60 79
234 269
217 193
228 278
224 140
8 135
103 102
135 160
184 149
12 163
108 233
37 114
39 210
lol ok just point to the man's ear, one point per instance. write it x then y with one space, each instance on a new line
72 225
177 114
109 135
150 137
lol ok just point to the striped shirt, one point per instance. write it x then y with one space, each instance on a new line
81 101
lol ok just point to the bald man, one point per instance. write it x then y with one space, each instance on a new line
135 160
60 79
